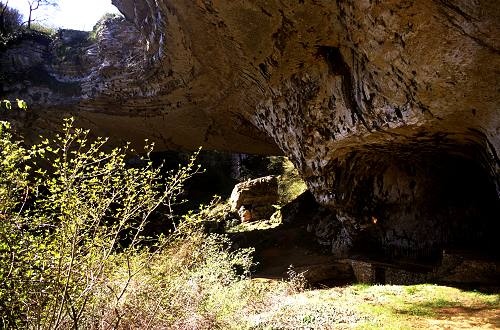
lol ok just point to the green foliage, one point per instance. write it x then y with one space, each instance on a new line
48 30
10 19
6 105
16 240
71 213
96 30
199 282
290 184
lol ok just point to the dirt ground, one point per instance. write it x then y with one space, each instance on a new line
466 318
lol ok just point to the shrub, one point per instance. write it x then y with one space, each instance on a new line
198 282
48 30
72 213
74 254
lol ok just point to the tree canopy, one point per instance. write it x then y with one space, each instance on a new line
10 18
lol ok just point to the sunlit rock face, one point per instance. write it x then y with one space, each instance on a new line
389 109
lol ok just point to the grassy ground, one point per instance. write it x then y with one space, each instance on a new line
426 306
358 306
286 305
383 307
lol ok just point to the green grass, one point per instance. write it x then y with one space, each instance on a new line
363 306
48 30
399 307
290 184
360 287
254 225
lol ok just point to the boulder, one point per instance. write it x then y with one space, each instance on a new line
254 199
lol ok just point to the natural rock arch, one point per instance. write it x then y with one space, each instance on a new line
388 109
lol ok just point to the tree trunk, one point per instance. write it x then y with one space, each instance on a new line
29 19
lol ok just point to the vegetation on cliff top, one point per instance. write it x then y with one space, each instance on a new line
13 27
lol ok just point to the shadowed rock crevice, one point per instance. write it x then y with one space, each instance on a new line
338 67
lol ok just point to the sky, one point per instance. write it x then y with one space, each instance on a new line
69 14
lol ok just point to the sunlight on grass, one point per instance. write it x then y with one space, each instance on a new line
254 225
404 307
290 184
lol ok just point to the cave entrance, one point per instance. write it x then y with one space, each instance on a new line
417 205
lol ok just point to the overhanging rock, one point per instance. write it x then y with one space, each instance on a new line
388 109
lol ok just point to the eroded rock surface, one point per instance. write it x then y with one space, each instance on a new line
254 199
389 109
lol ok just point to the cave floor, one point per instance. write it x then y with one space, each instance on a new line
281 248
284 248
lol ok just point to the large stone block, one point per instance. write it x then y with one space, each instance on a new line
254 199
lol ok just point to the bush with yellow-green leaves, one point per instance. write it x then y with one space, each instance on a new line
73 249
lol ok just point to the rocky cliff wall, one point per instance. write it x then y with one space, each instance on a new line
388 109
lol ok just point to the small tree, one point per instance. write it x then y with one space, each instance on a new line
66 225
35 5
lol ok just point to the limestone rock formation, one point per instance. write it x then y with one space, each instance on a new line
389 109
254 199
